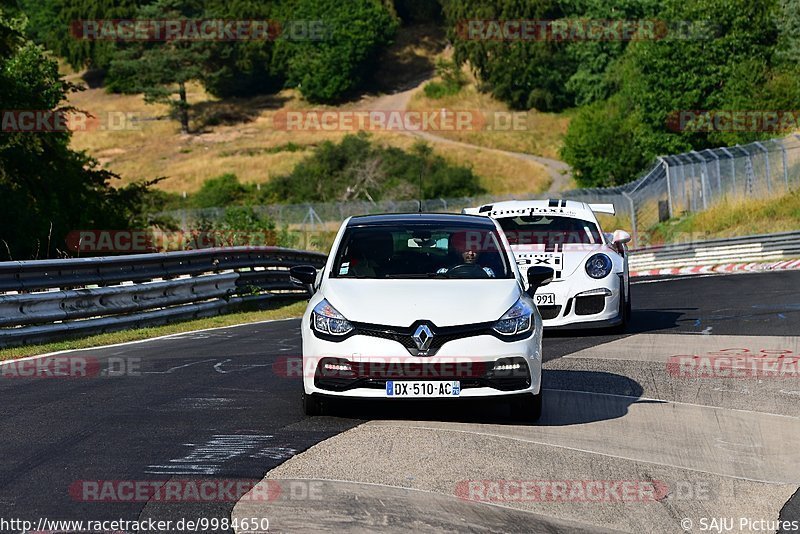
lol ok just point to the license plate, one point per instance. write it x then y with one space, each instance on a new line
422 388
545 299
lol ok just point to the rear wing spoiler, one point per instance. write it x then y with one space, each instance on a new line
603 208
470 211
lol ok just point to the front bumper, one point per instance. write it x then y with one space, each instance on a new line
364 364
574 309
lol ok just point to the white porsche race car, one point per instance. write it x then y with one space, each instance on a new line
591 287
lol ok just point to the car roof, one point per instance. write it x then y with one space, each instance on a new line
421 218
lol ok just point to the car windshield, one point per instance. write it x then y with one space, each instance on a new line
421 251
548 230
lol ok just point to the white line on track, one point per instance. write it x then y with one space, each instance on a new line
672 279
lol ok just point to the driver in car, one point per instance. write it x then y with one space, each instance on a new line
467 250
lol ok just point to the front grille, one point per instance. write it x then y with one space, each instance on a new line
549 312
590 305
441 335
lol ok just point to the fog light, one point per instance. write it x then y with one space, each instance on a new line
592 292
508 367
336 367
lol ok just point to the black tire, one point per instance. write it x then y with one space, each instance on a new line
312 405
527 407
624 313
628 309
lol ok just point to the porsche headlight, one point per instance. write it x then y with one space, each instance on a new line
517 320
325 319
599 266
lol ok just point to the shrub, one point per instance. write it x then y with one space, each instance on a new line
356 169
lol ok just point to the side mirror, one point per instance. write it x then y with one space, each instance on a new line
303 275
539 276
621 237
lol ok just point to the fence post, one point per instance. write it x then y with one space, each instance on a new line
733 167
703 177
719 177
665 163
682 168
633 219
783 160
766 160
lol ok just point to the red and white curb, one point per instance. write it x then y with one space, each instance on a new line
789 265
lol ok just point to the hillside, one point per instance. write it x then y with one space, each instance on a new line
239 135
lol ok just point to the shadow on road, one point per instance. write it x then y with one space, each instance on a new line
570 398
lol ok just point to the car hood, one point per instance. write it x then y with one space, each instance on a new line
401 302
568 260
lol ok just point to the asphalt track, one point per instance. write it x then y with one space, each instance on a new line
214 406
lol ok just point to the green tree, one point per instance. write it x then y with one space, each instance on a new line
353 34
56 25
161 70
46 189
221 191
242 68
594 61
601 145
722 69
524 74
733 65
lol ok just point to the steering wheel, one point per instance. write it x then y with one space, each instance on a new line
467 270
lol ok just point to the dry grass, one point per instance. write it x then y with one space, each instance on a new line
542 134
733 217
498 174
247 148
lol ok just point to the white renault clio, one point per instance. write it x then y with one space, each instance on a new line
422 306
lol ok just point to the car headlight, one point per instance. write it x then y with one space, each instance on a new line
517 320
325 319
599 266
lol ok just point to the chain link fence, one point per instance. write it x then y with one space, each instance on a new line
675 185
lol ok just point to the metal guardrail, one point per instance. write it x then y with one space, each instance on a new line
757 248
46 300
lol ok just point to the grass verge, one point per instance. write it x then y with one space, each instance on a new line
286 311
732 218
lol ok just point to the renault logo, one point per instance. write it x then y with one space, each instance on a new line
422 337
